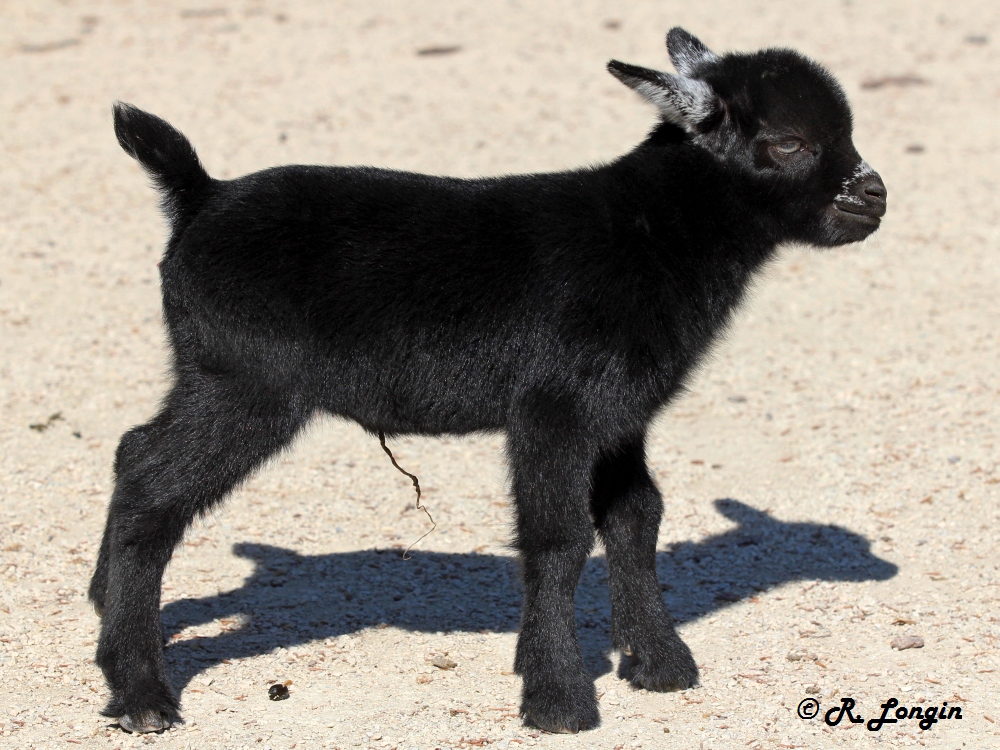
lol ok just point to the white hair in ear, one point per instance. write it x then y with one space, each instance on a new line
687 52
685 102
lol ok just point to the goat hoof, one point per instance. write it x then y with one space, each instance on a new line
144 722
561 709
563 725
562 722
675 672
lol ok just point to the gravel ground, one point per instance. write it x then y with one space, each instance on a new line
830 480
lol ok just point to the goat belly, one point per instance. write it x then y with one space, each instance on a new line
419 389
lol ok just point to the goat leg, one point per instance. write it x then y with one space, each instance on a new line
627 509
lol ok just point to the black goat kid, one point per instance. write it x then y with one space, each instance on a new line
565 309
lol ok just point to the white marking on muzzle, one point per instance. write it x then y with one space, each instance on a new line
860 172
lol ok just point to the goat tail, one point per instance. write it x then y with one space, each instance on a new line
167 156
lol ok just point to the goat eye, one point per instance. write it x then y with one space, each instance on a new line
788 147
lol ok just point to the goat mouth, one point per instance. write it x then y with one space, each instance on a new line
862 213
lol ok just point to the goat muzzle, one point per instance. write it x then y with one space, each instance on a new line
864 197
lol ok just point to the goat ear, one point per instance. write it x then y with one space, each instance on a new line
685 102
687 53
743 514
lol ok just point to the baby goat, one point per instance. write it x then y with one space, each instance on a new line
566 309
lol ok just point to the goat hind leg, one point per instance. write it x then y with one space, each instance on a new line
131 448
198 449
627 509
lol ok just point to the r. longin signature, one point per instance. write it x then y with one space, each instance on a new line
926 717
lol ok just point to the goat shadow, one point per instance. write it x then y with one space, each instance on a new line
292 599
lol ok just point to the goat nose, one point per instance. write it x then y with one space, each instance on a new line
872 191
874 188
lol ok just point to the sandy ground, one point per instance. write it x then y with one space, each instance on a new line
831 481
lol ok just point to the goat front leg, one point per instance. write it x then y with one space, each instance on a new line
554 536
627 509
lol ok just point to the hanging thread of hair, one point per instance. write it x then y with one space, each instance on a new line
416 486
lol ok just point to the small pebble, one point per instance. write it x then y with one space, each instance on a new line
800 656
443 662
903 642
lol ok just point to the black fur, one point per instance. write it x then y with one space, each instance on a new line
565 309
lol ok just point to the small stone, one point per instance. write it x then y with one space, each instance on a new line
443 662
424 679
903 642
800 656
812 689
